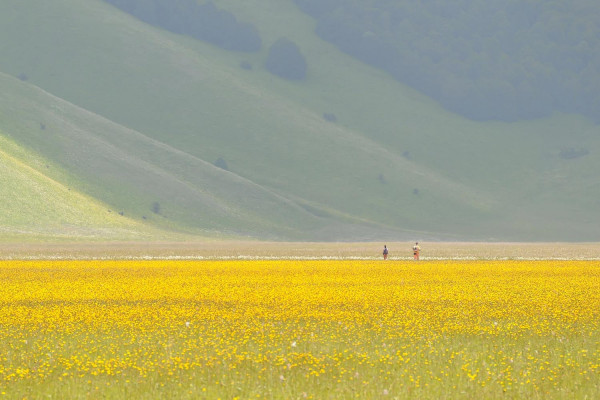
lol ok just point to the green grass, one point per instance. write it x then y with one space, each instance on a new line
371 376
37 207
293 174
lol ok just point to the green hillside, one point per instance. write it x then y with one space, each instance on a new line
35 206
138 116
140 177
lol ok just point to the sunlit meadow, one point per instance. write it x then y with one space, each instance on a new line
299 329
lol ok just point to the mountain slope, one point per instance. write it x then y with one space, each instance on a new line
139 115
151 181
148 179
36 206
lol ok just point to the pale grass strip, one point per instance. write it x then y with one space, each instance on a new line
294 258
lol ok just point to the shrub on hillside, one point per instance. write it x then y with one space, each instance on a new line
330 117
286 60
221 163
246 65
572 153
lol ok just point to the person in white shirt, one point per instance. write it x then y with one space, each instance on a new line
416 250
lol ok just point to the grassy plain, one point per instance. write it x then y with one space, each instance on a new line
223 249
300 328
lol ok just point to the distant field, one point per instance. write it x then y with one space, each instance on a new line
283 250
300 329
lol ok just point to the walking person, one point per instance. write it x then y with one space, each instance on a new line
385 252
416 250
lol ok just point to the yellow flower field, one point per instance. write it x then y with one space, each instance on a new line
299 329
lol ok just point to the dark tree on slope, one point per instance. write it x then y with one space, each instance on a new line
221 163
286 60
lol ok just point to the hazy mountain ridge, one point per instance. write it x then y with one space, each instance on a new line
138 116
505 60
